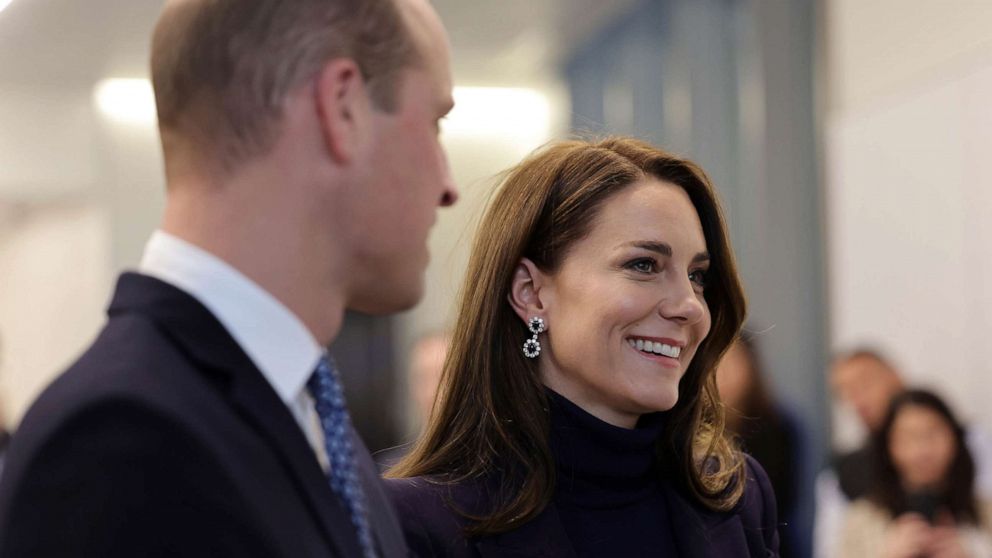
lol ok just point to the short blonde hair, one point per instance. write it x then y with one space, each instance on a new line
222 68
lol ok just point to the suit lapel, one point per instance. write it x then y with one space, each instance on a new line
544 537
215 352
260 405
701 533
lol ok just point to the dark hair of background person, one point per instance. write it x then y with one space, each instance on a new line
221 68
766 433
757 400
959 494
491 414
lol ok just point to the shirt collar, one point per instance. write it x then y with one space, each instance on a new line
273 337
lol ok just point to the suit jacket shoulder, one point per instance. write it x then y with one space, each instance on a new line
165 429
119 480
115 440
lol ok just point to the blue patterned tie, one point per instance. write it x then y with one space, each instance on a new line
325 386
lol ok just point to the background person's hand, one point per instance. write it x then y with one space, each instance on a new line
909 536
946 543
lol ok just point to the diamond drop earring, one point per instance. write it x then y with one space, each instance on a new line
532 347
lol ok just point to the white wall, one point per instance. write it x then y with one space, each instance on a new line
55 270
909 190
54 238
46 144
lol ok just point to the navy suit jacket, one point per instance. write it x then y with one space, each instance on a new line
433 529
165 440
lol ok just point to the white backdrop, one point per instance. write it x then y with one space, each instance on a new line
909 200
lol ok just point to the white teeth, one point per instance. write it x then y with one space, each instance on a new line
655 347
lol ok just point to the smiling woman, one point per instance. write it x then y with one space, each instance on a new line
577 413
637 277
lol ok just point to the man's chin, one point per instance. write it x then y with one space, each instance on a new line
381 303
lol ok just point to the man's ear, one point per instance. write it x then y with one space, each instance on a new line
529 291
343 107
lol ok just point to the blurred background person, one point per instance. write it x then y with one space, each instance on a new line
866 382
425 367
765 429
921 501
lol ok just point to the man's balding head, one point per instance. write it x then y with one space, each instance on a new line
222 69
867 382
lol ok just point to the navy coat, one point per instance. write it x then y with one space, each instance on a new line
433 530
164 439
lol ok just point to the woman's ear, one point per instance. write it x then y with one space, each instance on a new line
528 291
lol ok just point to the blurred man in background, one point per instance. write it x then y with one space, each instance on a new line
865 382
303 173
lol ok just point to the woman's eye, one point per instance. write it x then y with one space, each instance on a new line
698 277
643 265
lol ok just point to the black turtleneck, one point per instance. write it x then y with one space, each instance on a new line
608 493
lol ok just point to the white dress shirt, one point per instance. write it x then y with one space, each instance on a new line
270 334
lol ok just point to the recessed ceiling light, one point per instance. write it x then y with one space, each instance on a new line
4 4
129 101
520 113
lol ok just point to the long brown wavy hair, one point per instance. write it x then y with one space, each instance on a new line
490 417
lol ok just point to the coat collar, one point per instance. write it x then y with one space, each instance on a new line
544 537
698 532
703 533
198 333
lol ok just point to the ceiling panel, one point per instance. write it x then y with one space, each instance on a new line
66 43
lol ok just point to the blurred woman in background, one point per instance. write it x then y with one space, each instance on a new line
765 430
923 502
577 413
